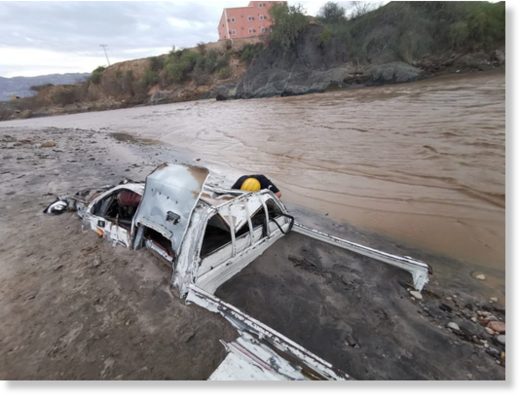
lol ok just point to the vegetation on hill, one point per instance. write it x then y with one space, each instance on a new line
399 42
410 30
289 23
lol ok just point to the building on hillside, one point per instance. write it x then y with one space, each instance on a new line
242 22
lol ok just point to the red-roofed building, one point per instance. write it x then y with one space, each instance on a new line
241 22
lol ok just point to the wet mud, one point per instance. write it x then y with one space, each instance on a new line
360 316
72 305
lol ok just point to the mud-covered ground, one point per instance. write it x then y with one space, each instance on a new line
74 307
360 316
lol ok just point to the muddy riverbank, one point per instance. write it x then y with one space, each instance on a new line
74 307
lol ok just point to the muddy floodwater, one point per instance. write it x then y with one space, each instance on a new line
422 163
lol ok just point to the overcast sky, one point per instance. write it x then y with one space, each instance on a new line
59 37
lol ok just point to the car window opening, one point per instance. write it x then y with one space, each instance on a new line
258 220
119 207
273 209
216 236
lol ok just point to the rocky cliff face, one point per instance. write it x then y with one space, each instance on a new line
314 67
311 67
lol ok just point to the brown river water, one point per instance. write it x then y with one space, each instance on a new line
422 163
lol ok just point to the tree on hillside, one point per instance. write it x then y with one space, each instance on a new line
289 22
332 13
359 8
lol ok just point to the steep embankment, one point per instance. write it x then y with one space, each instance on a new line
400 42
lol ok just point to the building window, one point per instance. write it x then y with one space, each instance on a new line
233 31
231 19
250 18
263 30
252 30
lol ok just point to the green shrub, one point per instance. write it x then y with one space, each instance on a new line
151 77
486 23
95 77
332 13
325 36
249 51
156 63
289 23
224 73
458 33
179 64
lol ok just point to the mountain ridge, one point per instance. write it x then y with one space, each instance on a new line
20 86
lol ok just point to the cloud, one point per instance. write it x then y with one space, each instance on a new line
180 23
60 36
30 61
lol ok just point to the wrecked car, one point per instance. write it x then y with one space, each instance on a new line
209 234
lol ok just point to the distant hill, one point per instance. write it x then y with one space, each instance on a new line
21 86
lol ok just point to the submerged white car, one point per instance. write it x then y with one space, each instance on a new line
208 234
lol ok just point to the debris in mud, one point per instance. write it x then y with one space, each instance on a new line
497 326
96 262
305 264
453 326
48 144
501 339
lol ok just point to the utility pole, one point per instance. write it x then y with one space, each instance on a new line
105 51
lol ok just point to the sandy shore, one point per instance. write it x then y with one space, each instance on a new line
74 307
